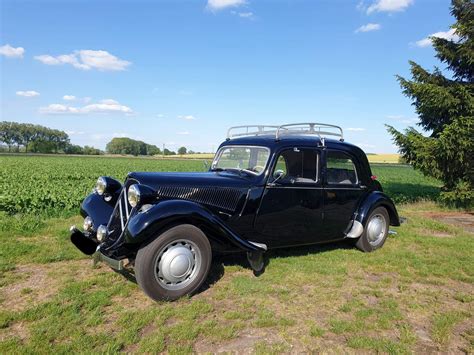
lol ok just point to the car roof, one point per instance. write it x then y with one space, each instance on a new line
268 140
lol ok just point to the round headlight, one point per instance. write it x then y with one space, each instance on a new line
101 233
133 195
87 224
101 185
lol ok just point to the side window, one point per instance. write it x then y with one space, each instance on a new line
298 166
340 168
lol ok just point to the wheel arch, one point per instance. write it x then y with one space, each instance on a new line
373 200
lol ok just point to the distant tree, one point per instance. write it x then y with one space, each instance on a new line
131 146
182 150
446 110
8 133
73 149
191 152
123 146
153 150
91 150
168 152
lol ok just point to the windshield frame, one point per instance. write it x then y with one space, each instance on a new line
222 148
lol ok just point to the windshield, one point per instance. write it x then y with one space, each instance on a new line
242 158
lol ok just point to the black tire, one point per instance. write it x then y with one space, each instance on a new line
363 243
146 261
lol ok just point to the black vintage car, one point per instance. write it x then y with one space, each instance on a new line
268 187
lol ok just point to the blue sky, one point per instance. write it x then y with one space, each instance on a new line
182 72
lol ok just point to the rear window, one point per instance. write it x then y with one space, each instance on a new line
340 169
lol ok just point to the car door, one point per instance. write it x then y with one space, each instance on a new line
291 207
342 192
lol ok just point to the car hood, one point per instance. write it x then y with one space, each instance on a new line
204 179
216 190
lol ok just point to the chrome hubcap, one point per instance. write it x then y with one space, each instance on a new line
376 229
177 264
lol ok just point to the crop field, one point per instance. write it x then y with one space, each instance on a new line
56 185
413 295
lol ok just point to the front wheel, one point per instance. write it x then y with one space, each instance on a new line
175 264
375 230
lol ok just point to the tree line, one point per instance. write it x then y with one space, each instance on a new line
33 138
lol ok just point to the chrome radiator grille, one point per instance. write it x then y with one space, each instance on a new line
120 215
220 197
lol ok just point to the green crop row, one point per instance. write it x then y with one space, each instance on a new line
56 185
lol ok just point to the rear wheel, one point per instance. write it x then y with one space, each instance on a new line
175 264
375 230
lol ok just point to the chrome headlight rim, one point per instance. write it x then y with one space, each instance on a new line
101 185
102 233
133 195
88 225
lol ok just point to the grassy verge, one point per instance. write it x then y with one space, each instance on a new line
413 295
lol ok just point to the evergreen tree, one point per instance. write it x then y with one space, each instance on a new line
445 106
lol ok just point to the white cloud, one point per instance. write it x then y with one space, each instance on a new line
28 93
355 129
12 52
216 5
184 133
188 117
389 6
369 27
58 109
103 106
86 59
247 15
75 98
449 35
160 115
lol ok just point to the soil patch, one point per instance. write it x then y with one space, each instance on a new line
464 220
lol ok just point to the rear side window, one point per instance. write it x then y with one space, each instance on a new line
340 169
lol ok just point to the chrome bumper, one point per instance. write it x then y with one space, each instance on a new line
113 263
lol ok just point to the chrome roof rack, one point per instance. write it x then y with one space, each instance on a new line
319 129
252 130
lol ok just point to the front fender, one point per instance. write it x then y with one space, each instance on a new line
97 208
146 226
373 200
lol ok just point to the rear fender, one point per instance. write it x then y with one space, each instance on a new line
373 200
146 226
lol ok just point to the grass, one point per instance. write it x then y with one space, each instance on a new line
309 299
413 295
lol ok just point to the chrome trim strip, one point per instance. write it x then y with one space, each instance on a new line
126 203
121 214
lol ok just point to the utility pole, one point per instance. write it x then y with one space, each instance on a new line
163 152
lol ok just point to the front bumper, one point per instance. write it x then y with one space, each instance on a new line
90 247
113 263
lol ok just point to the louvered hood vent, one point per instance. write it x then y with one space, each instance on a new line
221 197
